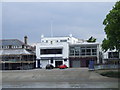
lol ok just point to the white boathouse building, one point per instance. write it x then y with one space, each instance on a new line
69 50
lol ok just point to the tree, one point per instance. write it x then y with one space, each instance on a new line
91 39
112 29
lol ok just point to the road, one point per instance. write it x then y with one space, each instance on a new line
56 78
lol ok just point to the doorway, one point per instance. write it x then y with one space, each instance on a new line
58 63
75 63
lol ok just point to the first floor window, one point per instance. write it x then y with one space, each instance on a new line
88 51
94 51
51 51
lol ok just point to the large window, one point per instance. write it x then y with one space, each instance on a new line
113 54
72 51
94 51
83 50
63 40
77 51
88 51
51 51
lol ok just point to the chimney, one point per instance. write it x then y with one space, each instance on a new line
25 39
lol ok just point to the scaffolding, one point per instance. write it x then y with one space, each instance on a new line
18 62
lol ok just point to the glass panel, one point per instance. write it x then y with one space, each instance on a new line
63 40
72 52
77 52
94 51
83 52
113 54
88 51
51 51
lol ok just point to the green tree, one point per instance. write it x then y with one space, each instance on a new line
112 29
91 39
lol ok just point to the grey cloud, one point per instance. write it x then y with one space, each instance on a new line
33 19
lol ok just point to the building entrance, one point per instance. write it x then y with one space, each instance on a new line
75 63
58 63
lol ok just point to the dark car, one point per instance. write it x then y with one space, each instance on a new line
49 66
62 66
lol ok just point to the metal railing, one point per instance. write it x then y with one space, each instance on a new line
109 66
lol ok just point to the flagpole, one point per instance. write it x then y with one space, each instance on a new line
51 28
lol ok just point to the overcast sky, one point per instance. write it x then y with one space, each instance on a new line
33 19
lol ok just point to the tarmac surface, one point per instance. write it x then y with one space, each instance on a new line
56 78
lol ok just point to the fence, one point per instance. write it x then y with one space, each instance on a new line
109 66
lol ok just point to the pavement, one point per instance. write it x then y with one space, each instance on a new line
56 78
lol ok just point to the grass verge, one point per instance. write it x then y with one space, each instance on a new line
114 74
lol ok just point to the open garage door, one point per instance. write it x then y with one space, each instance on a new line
58 63
75 63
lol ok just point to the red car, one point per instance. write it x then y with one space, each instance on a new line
62 66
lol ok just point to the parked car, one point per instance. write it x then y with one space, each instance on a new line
62 66
49 66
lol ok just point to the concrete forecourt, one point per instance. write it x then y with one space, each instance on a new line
56 78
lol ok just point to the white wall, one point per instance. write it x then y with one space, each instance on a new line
38 50
65 51
63 46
